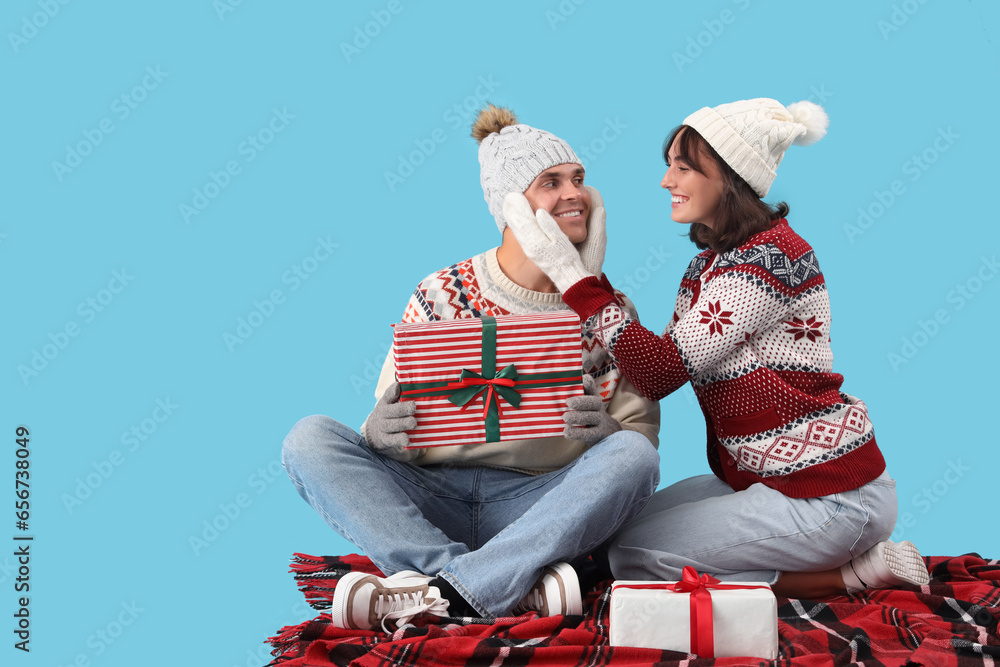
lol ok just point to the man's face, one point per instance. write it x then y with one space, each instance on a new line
559 191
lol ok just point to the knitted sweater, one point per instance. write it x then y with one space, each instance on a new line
751 332
478 287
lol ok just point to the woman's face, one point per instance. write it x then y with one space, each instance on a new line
695 195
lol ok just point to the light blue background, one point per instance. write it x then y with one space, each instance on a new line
606 78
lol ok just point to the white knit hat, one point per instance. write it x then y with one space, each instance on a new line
511 157
753 135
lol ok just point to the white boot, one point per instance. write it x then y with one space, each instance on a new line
886 565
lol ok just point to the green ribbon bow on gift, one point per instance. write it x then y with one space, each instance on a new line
501 384
489 382
474 384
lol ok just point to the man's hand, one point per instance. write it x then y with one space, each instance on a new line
587 419
545 244
385 429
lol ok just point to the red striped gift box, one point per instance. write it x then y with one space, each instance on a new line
489 379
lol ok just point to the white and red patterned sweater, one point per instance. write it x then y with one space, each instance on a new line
477 287
751 332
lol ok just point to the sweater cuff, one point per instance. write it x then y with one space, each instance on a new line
590 296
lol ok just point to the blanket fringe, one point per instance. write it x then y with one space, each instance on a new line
317 576
288 644
305 564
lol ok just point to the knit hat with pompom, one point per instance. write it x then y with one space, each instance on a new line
753 135
512 155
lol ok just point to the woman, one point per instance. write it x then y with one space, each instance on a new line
799 497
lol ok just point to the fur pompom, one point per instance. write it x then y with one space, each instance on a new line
492 119
813 117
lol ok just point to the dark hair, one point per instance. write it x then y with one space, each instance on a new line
741 212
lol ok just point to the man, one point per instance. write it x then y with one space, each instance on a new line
486 529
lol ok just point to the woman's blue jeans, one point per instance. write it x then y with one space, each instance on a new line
750 535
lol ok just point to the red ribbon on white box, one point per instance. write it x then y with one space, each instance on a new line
702 627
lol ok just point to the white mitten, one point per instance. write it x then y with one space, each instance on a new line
544 243
592 248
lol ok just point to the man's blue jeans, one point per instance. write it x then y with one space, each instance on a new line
488 532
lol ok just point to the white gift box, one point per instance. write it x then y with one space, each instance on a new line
743 618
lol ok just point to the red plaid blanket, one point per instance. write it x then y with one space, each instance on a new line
952 622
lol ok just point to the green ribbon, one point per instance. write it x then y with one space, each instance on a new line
471 384
462 397
475 384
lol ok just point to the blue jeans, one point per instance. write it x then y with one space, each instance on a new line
488 532
750 535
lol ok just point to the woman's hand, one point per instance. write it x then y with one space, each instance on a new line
592 248
547 246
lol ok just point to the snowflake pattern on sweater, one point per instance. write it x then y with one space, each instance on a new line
751 332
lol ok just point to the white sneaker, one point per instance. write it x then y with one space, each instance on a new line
363 601
556 593
888 564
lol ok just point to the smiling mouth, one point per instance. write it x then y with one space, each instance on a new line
678 199
570 214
